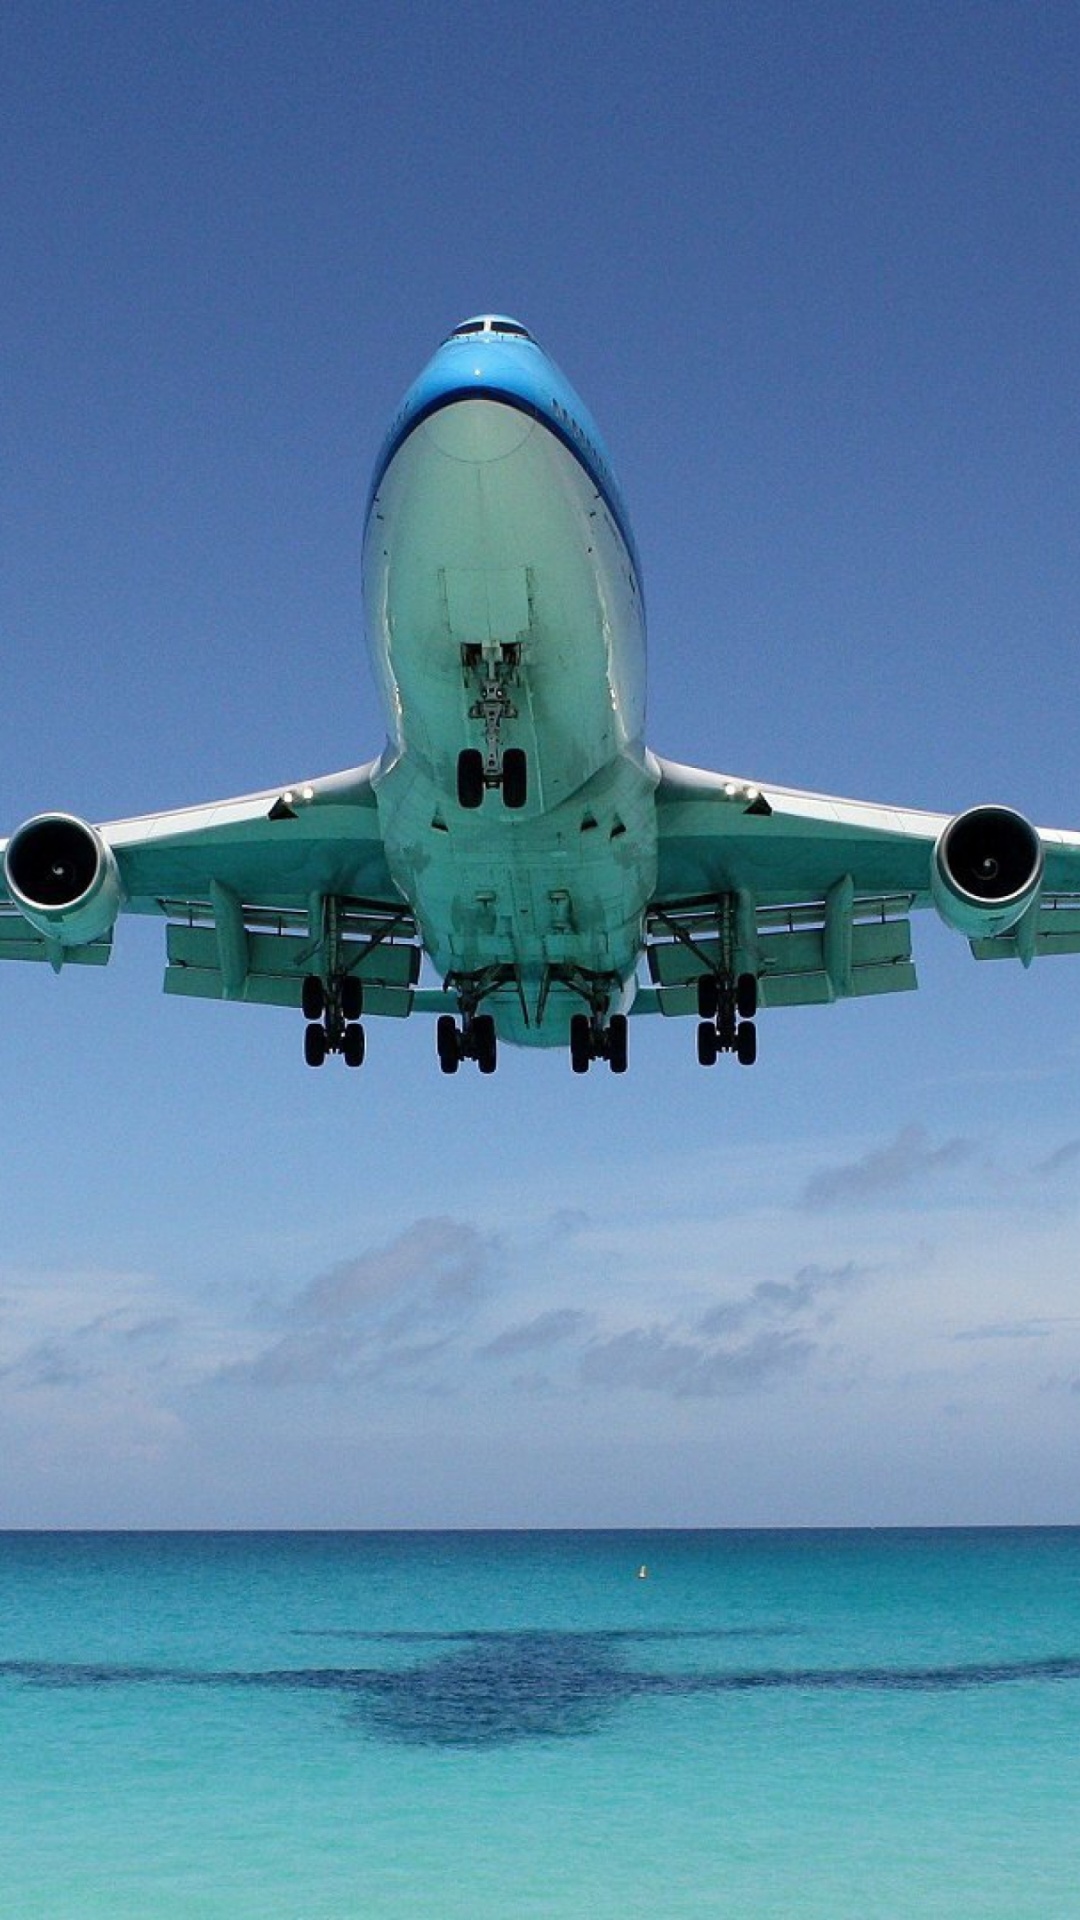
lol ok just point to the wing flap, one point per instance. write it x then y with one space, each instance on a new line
796 966
274 966
19 941
277 990
881 944
784 990
1057 930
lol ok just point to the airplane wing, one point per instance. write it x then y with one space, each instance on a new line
258 893
812 894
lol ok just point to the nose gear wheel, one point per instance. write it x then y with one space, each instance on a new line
492 669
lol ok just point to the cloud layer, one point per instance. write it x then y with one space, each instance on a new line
881 1302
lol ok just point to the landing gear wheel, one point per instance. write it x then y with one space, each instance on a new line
485 1045
707 1044
746 996
352 997
746 1043
446 1039
580 1042
515 778
352 1045
470 777
618 1043
708 996
314 1044
313 997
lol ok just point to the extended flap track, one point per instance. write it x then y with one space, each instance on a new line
802 954
222 949
20 941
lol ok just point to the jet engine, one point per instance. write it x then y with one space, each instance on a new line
987 870
63 878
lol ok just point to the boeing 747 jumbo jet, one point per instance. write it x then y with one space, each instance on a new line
516 830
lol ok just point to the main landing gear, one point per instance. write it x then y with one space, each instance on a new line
726 1021
474 1039
333 1020
591 1039
473 1036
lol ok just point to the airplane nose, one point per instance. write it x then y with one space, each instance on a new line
478 430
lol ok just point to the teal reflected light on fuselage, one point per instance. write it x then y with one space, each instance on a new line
498 554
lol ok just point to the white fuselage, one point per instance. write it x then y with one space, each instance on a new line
488 542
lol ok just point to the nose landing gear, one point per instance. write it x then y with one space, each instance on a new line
475 775
493 670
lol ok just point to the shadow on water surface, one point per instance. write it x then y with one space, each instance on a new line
483 1690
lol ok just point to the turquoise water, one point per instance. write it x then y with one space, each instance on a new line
324 1726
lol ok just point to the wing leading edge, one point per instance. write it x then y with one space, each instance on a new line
811 894
259 893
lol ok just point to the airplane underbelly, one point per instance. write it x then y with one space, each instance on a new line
486 532
542 906
489 552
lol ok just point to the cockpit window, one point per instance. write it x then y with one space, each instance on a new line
489 323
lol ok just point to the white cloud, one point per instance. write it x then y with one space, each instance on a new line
388 1313
906 1164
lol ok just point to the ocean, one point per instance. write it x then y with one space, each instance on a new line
460 1726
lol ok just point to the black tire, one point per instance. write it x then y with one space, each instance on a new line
353 1045
470 777
708 996
352 997
746 996
618 1043
746 1043
515 778
446 1039
485 1043
707 1044
580 1042
314 1044
313 997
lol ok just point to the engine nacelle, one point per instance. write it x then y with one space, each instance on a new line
987 870
63 878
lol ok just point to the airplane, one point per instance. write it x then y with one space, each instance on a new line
516 832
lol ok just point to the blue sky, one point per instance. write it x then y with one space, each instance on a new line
815 270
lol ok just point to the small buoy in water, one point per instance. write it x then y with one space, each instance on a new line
643 1573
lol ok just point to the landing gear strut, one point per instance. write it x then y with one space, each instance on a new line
333 1019
475 1039
493 670
726 1021
473 1036
591 1039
